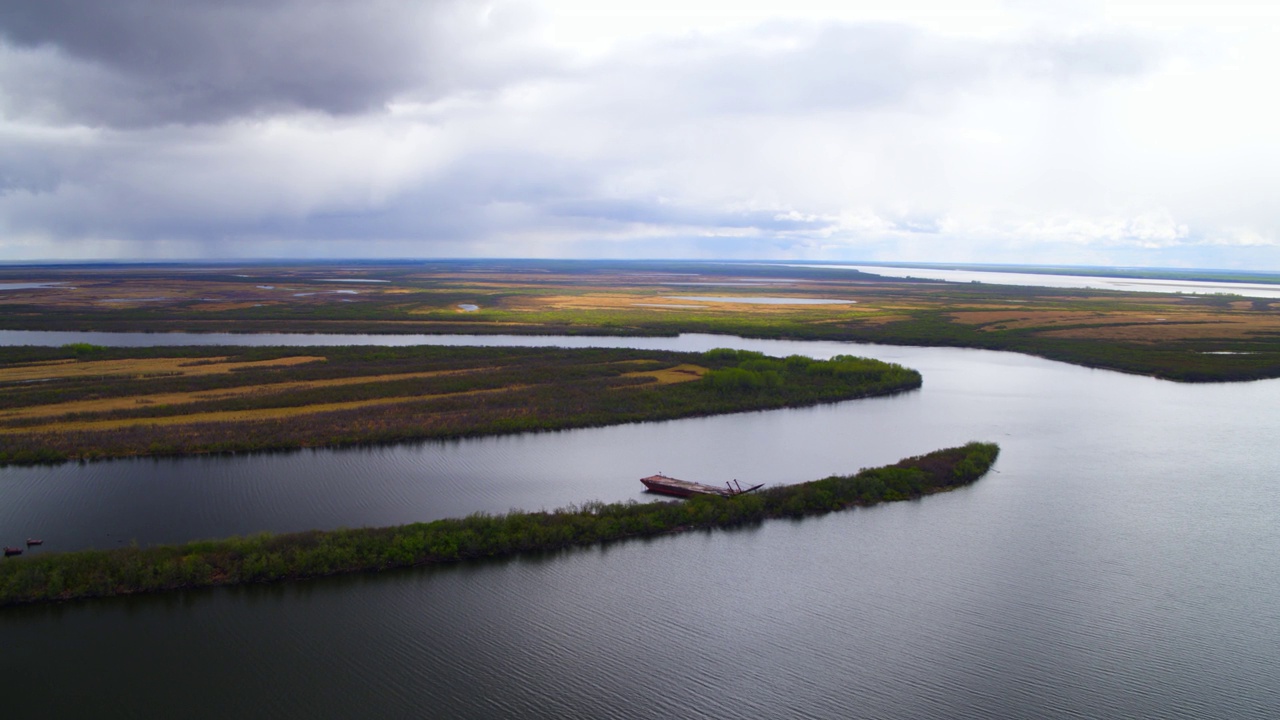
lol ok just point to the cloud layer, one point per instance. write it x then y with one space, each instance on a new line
331 128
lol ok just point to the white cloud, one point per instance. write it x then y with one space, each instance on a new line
996 131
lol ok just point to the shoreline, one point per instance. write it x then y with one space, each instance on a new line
267 558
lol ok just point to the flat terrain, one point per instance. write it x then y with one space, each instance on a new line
1182 337
86 402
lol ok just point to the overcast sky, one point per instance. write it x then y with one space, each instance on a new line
1129 133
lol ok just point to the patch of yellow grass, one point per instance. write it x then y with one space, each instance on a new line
232 416
1020 317
586 301
1123 325
186 398
671 375
864 318
644 302
140 367
1160 332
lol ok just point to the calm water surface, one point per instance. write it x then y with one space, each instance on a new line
1123 561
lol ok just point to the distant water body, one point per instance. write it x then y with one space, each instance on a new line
1093 282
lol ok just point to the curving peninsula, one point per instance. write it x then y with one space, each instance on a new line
273 558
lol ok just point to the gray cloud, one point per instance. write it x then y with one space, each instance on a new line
266 124
141 62
841 67
117 191
1086 56
638 211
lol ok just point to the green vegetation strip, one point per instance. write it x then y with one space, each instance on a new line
272 558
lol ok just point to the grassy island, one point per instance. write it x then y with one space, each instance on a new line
273 558
83 402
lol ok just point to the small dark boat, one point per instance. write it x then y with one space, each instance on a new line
34 541
683 488
12 551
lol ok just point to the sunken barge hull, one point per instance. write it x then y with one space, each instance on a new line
664 485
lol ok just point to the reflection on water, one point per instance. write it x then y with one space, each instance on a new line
1122 561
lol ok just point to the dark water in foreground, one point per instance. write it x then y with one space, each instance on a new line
1124 561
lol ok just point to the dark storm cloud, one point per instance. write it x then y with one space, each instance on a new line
140 62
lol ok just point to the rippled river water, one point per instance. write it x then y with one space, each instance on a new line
1122 561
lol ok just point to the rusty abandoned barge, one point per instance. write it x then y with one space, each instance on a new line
683 488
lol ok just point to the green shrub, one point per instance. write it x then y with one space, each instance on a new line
269 558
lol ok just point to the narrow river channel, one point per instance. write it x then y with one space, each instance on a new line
1122 561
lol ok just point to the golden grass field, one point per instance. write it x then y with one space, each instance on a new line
140 368
185 398
237 416
57 415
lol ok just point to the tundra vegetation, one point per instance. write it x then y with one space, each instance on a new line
1169 335
272 558
83 402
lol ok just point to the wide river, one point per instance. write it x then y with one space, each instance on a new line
1122 561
